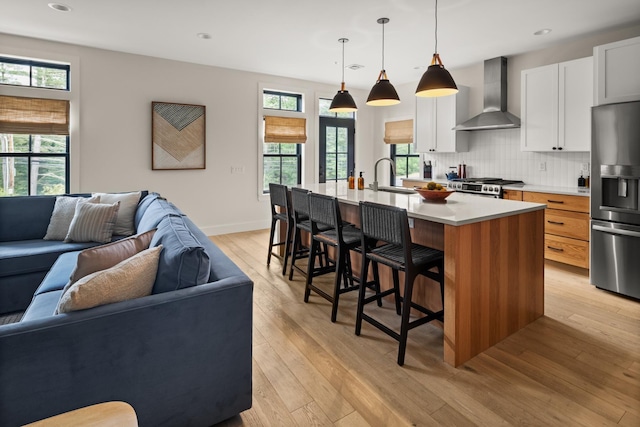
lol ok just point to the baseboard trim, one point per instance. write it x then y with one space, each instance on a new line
215 230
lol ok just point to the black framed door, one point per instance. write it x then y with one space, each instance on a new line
337 148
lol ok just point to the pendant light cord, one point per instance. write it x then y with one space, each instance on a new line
383 45
343 42
436 27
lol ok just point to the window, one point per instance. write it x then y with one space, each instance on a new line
281 162
34 164
324 111
407 163
23 72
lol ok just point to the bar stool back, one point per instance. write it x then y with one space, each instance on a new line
390 226
300 214
325 211
280 211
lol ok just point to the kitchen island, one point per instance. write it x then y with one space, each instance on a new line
494 262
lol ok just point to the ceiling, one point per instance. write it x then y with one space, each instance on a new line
299 38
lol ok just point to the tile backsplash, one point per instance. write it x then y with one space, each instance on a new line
496 154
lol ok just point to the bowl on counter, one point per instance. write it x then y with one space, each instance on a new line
434 195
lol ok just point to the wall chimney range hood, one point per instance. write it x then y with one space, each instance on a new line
495 114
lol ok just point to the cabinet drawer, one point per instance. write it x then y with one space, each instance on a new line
567 224
559 201
565 250
512 194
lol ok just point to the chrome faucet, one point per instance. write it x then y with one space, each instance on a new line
374 184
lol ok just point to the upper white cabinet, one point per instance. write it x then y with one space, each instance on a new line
556 106
617 68
435 119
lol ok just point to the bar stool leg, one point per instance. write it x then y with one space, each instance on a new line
312 257
340 270
271 235
287 247
362 293
396 291
406 311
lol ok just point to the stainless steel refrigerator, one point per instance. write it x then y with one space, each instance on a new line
615 198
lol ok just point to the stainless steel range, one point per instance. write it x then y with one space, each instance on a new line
489 187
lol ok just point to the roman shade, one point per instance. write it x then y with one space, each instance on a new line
285 129
398 132
34 116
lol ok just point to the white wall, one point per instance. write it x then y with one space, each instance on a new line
113 149
497 153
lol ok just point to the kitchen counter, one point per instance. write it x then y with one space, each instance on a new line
458 209
572 191
493 256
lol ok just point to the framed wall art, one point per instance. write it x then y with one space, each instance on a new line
178 136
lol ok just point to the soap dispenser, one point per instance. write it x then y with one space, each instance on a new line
352 181
360 182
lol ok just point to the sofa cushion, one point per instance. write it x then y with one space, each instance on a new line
126 213
184 261
129 279
155 212
106 256
142 208
58 276
63 212
25 256
42 306
93 222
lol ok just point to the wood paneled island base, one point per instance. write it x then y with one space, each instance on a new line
494 282
494 263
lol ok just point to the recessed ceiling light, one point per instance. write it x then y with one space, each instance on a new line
60 7
542 32
354 66
204 36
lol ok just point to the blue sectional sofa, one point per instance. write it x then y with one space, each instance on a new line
180 357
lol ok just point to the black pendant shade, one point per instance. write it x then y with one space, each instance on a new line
383 93
343 102
436 81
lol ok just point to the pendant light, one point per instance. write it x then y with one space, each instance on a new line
436 81
383 93
343 102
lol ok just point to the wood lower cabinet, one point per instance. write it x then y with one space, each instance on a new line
512 194
566 227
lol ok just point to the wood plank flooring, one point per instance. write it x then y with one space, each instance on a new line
577 365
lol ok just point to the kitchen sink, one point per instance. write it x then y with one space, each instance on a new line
397 190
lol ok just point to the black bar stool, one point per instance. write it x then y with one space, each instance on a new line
280 211
390 226
325 211
301 222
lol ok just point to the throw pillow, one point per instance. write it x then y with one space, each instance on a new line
106 256
184 262
129 279
62 215
126 213
93 222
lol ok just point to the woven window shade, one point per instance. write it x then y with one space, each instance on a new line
34 116
285 129
399 132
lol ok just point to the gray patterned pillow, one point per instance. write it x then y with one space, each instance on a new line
62 215
93 222
126 213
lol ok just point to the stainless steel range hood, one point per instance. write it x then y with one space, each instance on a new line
495 114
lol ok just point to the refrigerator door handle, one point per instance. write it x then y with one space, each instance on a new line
616 231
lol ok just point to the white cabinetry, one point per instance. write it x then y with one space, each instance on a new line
435 119
556 106
617 68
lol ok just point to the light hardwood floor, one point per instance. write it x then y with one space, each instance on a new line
577 365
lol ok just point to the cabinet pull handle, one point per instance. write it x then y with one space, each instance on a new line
555 201
556 222
555 249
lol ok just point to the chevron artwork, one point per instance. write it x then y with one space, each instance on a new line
178 136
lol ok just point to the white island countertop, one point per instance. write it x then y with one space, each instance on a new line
457 209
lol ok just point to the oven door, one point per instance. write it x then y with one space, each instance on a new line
614 257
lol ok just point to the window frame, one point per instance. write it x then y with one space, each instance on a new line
38 63
264 111
30 154
394 156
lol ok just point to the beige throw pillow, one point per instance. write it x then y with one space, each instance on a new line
106 256
93 222
128 205
62 215
129 279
